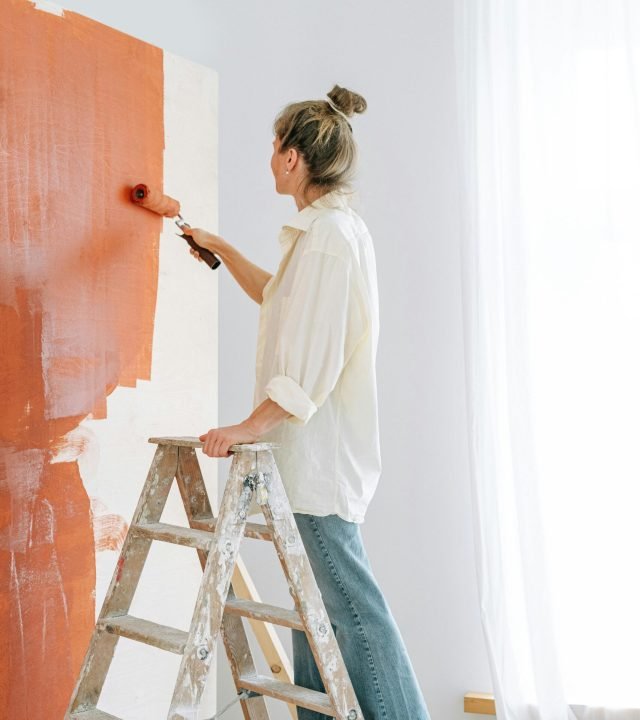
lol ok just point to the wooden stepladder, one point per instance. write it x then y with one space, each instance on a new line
218 609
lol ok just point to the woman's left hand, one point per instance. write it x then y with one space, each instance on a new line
218 440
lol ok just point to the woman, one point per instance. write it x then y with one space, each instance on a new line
315 395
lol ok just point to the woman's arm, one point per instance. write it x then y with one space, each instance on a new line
266 416
326 319
250 277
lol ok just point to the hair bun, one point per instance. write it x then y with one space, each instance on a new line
347 100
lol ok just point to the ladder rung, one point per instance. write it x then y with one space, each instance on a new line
145 631
191 537
311 699
198 537
258 531
93 714
264 612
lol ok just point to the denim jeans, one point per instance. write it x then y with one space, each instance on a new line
367 634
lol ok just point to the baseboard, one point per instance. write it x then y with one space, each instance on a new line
479 703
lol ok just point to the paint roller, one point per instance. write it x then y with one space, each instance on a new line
152 199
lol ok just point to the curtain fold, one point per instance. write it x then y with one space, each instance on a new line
549 136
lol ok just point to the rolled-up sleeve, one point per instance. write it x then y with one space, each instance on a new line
322 321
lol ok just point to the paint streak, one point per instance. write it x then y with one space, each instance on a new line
119 567
109 529
81 120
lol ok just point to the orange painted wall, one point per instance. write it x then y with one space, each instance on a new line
81 120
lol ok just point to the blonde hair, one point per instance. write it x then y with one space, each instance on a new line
323 137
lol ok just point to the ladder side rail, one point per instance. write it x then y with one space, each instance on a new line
198 506
209 608
124 581
304 588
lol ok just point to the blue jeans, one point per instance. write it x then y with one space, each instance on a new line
367 634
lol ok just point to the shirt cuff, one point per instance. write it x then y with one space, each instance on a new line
289 395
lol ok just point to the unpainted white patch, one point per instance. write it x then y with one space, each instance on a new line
49 7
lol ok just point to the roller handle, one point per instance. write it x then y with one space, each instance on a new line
156 202
208 257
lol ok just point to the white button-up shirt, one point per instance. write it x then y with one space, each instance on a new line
316 353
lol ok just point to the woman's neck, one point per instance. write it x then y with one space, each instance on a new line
312 194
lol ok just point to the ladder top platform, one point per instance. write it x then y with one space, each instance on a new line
194 442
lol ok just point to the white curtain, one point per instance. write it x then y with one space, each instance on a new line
549 129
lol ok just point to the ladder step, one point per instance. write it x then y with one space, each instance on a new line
93 714
145 631
258 531
311 699
266 613
199 539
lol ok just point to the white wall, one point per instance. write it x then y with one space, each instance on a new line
400 57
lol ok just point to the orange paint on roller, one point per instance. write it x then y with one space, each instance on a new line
152 199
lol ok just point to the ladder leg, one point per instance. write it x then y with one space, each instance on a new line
207 616
193 492
197 506
303 586
192 486
125 579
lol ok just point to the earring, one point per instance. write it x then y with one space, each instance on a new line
287 172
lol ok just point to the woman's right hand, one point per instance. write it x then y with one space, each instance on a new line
205 239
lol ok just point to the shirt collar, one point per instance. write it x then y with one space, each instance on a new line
303 218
